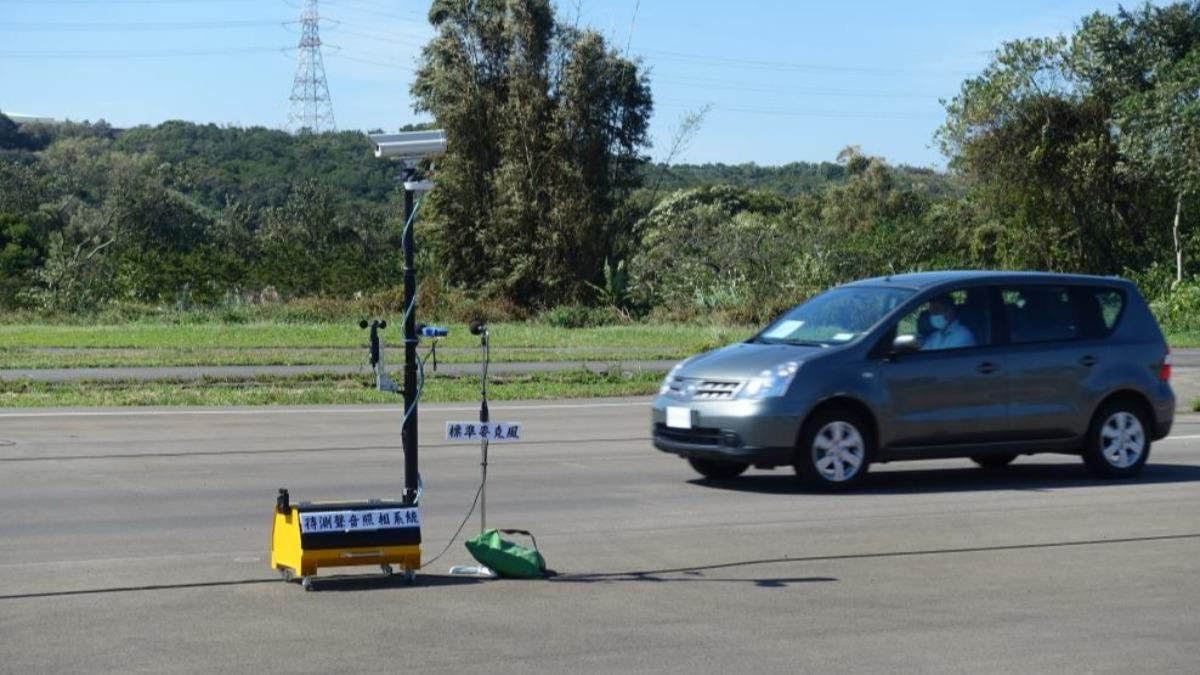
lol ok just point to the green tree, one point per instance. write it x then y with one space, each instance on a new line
719 247
871 194
1161 132
1072 143
545 125
1146 64
20 255
1039 154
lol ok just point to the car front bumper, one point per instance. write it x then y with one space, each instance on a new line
761 433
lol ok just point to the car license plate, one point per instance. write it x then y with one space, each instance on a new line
679 418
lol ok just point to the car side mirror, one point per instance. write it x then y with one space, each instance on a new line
906 344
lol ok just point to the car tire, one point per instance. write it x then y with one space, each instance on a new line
835 450
717 469
1118 441
994 461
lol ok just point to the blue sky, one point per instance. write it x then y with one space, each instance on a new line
787 80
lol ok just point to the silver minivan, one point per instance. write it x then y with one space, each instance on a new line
986 365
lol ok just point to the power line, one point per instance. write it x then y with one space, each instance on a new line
90 54
381 6
337 22
115 2
788 66
366 9
100 26
383 64
790 112
392 39
741 85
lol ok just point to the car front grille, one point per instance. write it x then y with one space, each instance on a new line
703 390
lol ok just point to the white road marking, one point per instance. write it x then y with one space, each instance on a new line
292 411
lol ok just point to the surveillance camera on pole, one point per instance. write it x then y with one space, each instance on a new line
410 149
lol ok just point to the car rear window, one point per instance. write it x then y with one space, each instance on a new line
1111 302
1060 313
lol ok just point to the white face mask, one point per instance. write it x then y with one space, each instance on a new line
938 321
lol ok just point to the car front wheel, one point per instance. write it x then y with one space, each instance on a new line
1117 444
835 450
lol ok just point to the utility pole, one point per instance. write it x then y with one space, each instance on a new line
311 106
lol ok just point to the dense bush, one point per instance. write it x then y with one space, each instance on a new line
579 316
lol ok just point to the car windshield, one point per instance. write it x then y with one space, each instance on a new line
834 317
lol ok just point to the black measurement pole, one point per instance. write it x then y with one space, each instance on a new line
409 433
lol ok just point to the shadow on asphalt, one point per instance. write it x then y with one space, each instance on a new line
375 582
1017 476
688 576
135 589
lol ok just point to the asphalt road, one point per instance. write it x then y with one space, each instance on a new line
136 541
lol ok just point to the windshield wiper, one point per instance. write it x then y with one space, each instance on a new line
805 343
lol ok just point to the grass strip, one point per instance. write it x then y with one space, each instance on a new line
1183 340
104 357
314 389
688 338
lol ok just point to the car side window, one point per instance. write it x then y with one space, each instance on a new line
954 320
1052 313
1102 308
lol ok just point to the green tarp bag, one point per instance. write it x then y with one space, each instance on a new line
506 558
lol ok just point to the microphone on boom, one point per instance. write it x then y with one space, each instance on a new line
478 328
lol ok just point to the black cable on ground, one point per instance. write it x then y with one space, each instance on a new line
457 532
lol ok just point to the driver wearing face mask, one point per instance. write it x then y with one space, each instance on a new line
948 332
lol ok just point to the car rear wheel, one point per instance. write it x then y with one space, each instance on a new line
994 461
717 469
835 450
1117 444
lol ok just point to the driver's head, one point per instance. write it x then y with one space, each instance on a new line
941 311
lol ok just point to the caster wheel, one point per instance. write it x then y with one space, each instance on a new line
287 574
307 583
387 569
410 577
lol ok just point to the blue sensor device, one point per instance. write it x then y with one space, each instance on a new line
433 331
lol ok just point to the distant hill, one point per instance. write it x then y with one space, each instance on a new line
789 180
257 166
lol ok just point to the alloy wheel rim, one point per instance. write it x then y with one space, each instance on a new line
1122 440
838 452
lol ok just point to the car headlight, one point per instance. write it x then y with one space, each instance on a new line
771 382
666 384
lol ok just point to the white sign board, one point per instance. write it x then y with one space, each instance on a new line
474 432
358 520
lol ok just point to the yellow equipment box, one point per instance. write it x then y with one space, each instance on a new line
312 535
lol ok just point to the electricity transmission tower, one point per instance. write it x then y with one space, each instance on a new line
311 107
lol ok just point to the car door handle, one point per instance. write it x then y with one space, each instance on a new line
1088 361
987 368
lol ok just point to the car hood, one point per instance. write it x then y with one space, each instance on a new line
745 360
